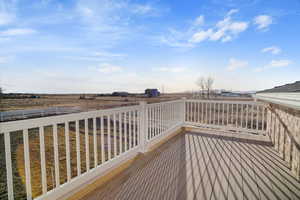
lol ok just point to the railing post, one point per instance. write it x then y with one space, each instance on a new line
183 109
143 127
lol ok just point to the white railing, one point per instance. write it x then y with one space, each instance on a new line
92 140
162 119
232 115
52 156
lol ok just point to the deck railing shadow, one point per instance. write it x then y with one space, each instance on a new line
244 148
150 176
191 165
276 177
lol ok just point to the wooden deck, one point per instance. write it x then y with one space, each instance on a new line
204 166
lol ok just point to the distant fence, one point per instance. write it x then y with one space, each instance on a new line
25 114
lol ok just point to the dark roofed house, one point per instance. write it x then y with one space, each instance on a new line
152 92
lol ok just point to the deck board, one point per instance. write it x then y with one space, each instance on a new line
204 166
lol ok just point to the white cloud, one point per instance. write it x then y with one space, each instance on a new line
273 49
99 56
263 21
201 36
107 54
224 30
236 64
199 20
86 12
232 11
274 64
280 63
170 69
7 15
142 9
17 31
107 68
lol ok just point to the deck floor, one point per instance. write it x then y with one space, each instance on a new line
204 166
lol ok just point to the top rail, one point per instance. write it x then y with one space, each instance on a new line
228 102
45 121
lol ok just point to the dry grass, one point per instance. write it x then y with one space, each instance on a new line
73 100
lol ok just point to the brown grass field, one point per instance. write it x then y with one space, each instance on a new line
46 101
93 103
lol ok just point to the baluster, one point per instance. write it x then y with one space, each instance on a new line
218 107
102 139
108 137
223 109
263 119
247 116
95 142
27 164
202 112
242 114
115 135
43 160
87 144
257 116
8 164
120 133
237 115
130 130
252 111
195 109
227 112
56 160
134 128
78 148
67 141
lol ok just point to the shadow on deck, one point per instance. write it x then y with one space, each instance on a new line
204 166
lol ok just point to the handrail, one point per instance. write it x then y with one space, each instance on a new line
45 121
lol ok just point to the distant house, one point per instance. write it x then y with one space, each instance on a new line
152 92
229 94
120 94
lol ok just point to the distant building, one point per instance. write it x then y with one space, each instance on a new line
120 94
152 92
230 94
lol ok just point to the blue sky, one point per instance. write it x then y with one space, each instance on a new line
77 46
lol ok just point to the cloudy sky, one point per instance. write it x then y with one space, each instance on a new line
80 46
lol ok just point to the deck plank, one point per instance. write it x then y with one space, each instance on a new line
235 191
204 166
221 183
265 187
250 188
204 190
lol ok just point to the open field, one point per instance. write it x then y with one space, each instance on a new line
90 103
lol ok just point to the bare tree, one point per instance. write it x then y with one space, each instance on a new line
201 83
209 83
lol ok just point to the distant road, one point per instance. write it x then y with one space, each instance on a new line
25 114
